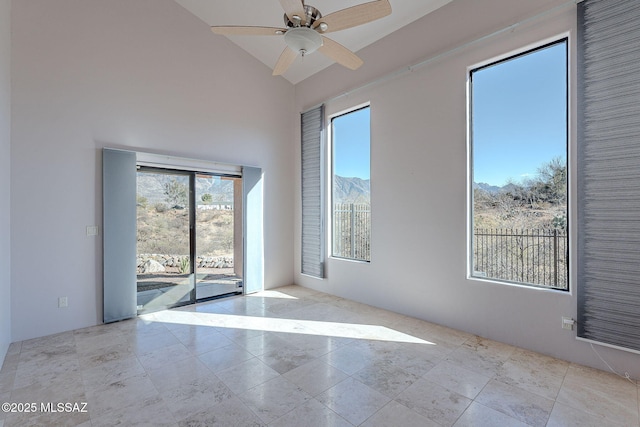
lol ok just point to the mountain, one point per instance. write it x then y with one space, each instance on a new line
491 189
351 190
494 189
152 187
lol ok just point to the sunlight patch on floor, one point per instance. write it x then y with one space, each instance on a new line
270 294
269 324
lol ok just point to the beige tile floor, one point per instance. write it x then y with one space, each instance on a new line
295 357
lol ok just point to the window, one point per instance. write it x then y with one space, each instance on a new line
351 185
518 160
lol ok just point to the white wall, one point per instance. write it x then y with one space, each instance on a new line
5 175
419 181
139 74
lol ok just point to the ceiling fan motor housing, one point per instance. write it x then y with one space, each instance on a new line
311 15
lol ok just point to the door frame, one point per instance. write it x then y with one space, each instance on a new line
119 176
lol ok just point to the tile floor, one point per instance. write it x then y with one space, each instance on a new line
295 357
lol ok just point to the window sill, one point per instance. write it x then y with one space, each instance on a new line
519 285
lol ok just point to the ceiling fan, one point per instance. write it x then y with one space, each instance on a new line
304 29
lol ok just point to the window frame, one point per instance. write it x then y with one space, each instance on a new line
330 169
496 60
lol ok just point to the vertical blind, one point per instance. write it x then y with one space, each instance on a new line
609 172
119 234
312 192
253 233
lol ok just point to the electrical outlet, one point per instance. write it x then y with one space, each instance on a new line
567 323
62 302
92 230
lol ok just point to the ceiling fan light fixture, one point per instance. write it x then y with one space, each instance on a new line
304 28
303 40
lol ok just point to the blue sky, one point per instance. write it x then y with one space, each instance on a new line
519 116
351 144
519 121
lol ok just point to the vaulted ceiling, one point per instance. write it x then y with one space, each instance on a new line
269 13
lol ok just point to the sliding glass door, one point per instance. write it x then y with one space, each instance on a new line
218 263
189 237
164 235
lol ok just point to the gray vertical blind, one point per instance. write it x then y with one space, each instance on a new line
119 234
312 193
609 172
253 233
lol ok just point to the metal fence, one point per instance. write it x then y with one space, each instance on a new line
538 257
352 231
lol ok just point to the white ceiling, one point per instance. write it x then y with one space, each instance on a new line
269 13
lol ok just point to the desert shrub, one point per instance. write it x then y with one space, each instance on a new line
183 268
179 223
142 201
176 194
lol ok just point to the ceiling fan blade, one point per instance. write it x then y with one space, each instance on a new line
284 62
354 16
340 54
293 7
248 31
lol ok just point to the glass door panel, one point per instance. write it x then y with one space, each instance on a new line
164 270
218 264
